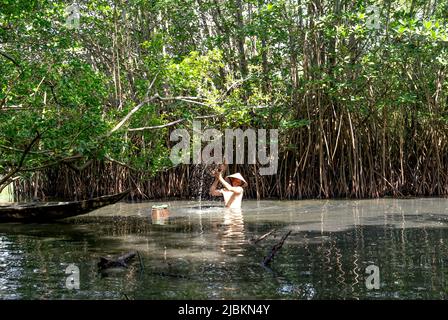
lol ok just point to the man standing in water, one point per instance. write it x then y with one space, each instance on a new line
232 192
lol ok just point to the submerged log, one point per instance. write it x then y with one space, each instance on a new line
120 262
275 249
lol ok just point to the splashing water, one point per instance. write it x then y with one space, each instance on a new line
200 182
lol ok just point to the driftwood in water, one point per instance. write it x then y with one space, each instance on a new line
275 249
120 262
256 240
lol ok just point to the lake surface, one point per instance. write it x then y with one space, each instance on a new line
205 252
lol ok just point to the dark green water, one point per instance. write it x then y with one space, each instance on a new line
206 253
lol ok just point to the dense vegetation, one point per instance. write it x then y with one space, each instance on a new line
361 103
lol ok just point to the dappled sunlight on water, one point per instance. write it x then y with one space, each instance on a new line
207 251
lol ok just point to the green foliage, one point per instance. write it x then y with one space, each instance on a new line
296 66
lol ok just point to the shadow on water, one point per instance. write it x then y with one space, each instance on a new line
204 252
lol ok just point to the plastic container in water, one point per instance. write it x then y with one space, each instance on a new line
159 214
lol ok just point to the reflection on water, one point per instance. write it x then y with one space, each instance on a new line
232 232
9 260
205 252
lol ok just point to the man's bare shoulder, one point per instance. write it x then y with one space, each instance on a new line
238 190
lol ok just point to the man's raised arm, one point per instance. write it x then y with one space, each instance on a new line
213 190
228 186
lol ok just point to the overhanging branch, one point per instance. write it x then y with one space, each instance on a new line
169 124
21 161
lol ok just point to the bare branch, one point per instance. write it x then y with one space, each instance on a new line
256 240
158 127
233 85
7 56
21 151
128 116
180 98
21 161
169 124
76 168
275 249
120 163
136 108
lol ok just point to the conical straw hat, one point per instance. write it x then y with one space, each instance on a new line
239 177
